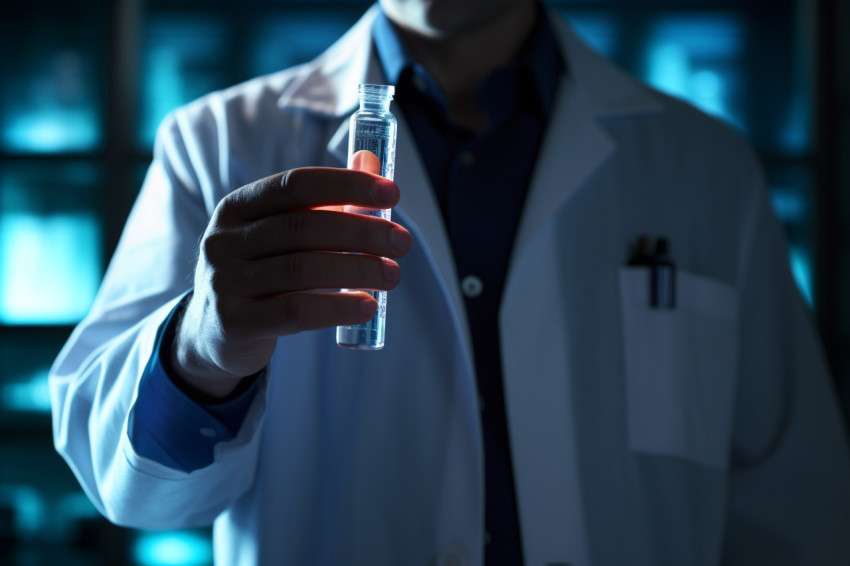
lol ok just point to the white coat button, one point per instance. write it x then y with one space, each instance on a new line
419 83
471 286
208 432
467 158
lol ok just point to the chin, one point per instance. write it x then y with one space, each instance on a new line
442 19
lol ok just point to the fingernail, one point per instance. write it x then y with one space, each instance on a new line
369 307
392 273
386 192
399 240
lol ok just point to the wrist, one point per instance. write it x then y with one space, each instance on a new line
190 371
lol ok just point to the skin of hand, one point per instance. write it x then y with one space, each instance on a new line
267 247
365 160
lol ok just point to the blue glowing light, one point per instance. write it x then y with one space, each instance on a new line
29 509
50 265
788 204
181 61
171 549
294 38
801 268
53 105
697 59
598 31
51 130
32 396
794 136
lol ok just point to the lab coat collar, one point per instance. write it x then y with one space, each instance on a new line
326 85
351 61
609 91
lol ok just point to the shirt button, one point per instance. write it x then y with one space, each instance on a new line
419 83
471 286
467 158
208 432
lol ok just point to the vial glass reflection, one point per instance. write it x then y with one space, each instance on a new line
371 146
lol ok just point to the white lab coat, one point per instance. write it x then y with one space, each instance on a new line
703 435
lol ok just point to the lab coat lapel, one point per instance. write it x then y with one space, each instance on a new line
537 380
419 211
575 146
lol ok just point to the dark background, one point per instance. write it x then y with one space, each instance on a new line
83 85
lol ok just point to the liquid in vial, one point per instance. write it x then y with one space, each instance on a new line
372 129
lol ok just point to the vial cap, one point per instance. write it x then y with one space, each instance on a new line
382 91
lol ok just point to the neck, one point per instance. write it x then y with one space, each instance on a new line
460 63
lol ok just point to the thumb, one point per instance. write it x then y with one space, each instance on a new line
365 160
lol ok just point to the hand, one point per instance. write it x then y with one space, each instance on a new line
267 246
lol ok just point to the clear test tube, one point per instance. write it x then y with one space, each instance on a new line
372 129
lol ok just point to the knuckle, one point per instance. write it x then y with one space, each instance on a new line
290 181
212 245
225 208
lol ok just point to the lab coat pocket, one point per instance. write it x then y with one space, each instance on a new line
680 367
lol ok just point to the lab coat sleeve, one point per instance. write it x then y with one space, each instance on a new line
94 381
789 492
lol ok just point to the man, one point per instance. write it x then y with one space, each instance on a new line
530 406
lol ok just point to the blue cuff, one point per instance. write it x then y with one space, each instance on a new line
168 426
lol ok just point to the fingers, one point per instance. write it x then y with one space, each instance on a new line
307 188
304 271
323 230
289 314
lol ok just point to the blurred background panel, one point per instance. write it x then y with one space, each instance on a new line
85 84
183 56
54 82
50 232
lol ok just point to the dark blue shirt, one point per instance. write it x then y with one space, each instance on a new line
480 181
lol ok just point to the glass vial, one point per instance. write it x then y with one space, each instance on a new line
372 129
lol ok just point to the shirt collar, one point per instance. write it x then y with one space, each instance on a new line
541 55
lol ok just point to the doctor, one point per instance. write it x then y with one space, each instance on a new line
530 406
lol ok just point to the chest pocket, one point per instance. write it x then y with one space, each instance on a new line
680 367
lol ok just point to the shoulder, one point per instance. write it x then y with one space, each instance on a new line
645 121
252 102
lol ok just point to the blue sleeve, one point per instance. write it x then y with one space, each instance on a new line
169 426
